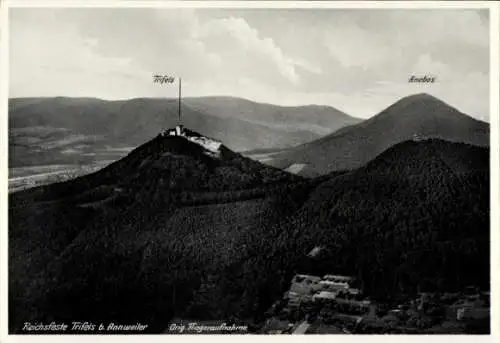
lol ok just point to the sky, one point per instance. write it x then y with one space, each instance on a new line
356 60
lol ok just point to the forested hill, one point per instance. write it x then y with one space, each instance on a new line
416 217
123 245
416 116
102 236
173 163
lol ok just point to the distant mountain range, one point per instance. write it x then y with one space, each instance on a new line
84 130
172 230
418 116
321 120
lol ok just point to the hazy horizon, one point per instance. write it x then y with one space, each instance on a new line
357 61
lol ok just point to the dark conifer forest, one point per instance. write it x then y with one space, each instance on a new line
172 232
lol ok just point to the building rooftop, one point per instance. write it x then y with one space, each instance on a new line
342 284
338 277
315 251
303 277
325 295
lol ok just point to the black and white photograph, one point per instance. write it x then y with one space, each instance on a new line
232 170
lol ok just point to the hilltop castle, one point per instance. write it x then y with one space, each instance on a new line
177 131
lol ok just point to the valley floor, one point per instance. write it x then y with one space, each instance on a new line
21 178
